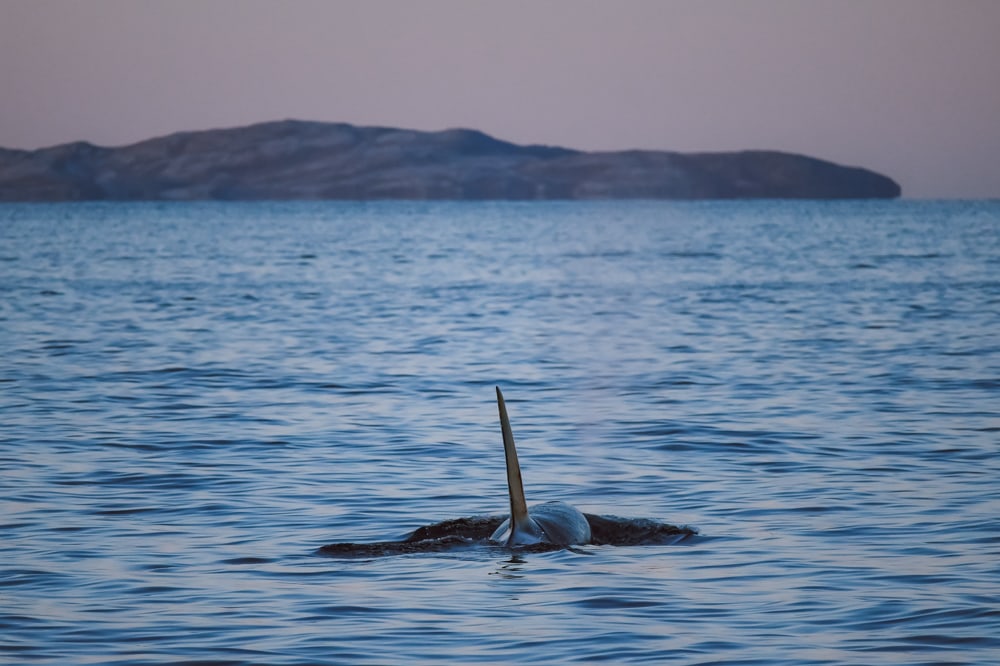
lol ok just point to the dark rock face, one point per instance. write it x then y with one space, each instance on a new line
311 160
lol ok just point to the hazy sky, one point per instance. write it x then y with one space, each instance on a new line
910 88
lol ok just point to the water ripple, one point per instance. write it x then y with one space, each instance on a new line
196 397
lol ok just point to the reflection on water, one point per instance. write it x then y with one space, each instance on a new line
196 397
511 568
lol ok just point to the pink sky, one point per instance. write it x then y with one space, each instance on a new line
910 88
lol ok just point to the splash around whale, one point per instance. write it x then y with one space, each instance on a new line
547 526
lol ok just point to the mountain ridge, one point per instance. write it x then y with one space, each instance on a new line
297 159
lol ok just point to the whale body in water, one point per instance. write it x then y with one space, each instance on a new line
553 522
547 526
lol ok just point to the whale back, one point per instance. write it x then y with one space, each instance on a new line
563 524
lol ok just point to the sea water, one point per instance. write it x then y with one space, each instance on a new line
194 397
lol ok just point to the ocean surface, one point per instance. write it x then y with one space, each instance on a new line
195 397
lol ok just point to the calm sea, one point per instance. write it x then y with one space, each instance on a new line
195 397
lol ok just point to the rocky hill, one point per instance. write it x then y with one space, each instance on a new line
312 160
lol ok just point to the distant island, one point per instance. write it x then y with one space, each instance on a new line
295 159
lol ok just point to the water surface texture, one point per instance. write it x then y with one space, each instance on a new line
195 397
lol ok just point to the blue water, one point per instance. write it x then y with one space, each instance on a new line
195 397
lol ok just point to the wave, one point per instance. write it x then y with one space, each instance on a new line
476 530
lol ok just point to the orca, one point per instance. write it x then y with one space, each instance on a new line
547 526
555 523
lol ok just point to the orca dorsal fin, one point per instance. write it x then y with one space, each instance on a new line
518 506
